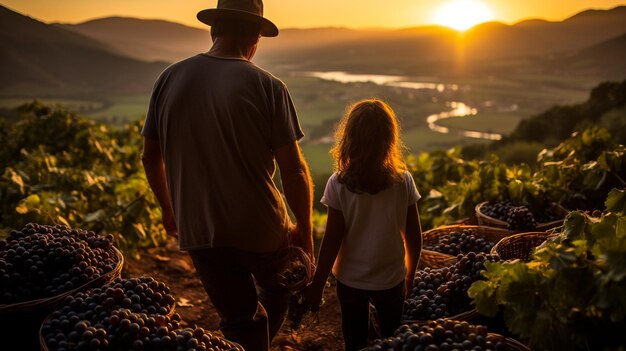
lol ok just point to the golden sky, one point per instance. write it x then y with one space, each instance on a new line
303 13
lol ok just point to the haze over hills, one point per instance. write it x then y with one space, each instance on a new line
117 54
382 50
609 57
37 59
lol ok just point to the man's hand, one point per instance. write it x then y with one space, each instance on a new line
155 173
302 238
169 224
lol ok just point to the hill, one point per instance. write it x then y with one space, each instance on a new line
418 50
147 40
608 57
561 121
579 31
44 60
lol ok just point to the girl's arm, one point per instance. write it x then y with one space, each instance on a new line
412 244
335 231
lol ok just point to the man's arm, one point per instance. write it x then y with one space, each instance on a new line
413 245
298 188
155 172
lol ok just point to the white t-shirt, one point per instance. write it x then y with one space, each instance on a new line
371 256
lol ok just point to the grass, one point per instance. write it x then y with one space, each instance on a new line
70 104
318 158
122 109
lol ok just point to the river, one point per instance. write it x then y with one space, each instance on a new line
458 109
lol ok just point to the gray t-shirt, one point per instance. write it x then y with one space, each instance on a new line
218 122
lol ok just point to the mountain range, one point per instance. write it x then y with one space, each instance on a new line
38 59
125 55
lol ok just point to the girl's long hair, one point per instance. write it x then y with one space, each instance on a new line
368 150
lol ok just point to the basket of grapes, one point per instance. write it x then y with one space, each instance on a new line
519 246
445 334
515 217
442 292
41 264
296 275
298 270
126 314
451 240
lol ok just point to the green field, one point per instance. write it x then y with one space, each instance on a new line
122 109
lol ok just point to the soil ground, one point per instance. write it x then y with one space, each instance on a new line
174 267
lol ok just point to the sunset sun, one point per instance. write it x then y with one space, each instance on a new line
462 14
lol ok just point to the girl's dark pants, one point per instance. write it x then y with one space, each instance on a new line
355 312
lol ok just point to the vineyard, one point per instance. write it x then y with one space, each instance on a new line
566 290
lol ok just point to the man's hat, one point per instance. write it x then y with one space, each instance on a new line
246 10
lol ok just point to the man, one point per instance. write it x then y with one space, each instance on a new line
215 125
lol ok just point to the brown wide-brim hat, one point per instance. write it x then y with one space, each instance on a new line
243 10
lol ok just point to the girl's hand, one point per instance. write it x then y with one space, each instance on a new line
312 297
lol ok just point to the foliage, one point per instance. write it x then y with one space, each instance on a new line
431 172
578 173
572 294
581 170
62 169
454 186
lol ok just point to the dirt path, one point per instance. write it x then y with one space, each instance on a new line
174 268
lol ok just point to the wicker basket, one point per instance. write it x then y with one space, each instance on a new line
519 246
48 302
297 255
431 237
515 345
485 220
463 316
434 259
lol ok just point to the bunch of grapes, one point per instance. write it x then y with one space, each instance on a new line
520 218
498 210
441 334
126 330
41 261
140 295
442 292
127 314
517 217
294 274
460 242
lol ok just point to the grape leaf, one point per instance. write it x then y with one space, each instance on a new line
616 201
484 295
574 226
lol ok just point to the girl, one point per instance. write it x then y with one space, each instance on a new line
373 233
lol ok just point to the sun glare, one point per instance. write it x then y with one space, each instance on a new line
462 14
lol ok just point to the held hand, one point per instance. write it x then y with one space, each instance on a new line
312 297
